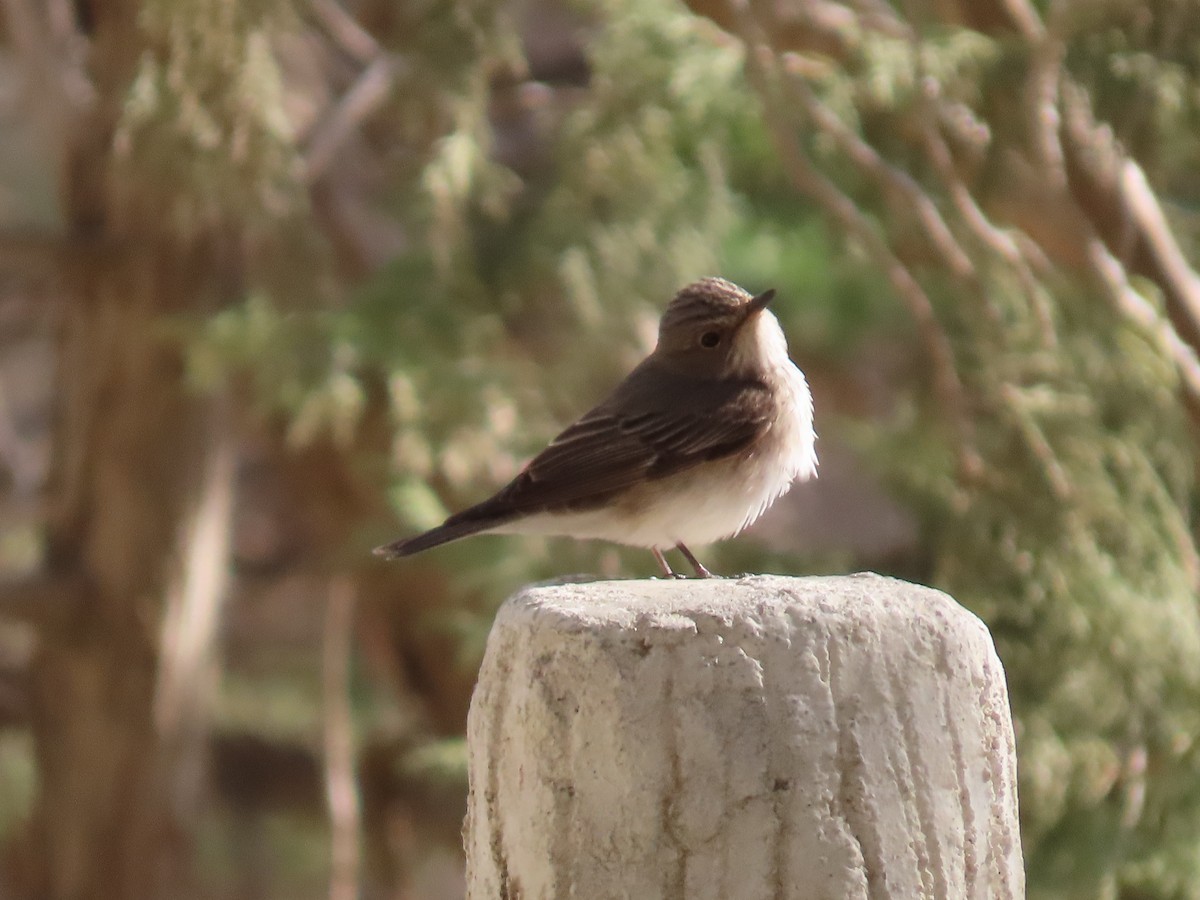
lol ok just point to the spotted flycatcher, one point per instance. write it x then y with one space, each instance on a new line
691 447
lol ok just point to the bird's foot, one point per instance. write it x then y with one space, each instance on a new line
701 572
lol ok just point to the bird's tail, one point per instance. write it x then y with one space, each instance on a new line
453 529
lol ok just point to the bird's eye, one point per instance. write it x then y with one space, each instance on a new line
710 339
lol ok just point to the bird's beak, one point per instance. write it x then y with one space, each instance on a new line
757 305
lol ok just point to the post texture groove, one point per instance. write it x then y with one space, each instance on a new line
754 739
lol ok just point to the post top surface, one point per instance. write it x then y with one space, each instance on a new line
670 604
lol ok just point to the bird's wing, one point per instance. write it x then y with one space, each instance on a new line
625 441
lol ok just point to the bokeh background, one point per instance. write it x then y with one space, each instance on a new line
283 279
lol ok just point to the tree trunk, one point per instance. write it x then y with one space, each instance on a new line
139 500
131 458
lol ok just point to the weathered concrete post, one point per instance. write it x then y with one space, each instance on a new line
769 737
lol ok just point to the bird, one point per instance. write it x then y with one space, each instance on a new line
692 447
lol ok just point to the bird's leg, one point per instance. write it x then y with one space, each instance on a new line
701 572
662 563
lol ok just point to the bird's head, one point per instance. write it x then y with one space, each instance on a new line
713 328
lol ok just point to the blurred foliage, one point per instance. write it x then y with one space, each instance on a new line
523 290
522 294
830 304
1074 545
1074 540
204 137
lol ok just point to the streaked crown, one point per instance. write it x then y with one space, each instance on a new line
707 300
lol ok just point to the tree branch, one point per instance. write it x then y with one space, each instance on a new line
341 784
356 106
1179 279
1010 248
354 40
1112 276
1114 195
894 182
807 179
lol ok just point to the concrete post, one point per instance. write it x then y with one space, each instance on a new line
768 737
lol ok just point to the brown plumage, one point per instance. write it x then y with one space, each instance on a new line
705 395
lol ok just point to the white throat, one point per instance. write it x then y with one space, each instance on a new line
760 344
